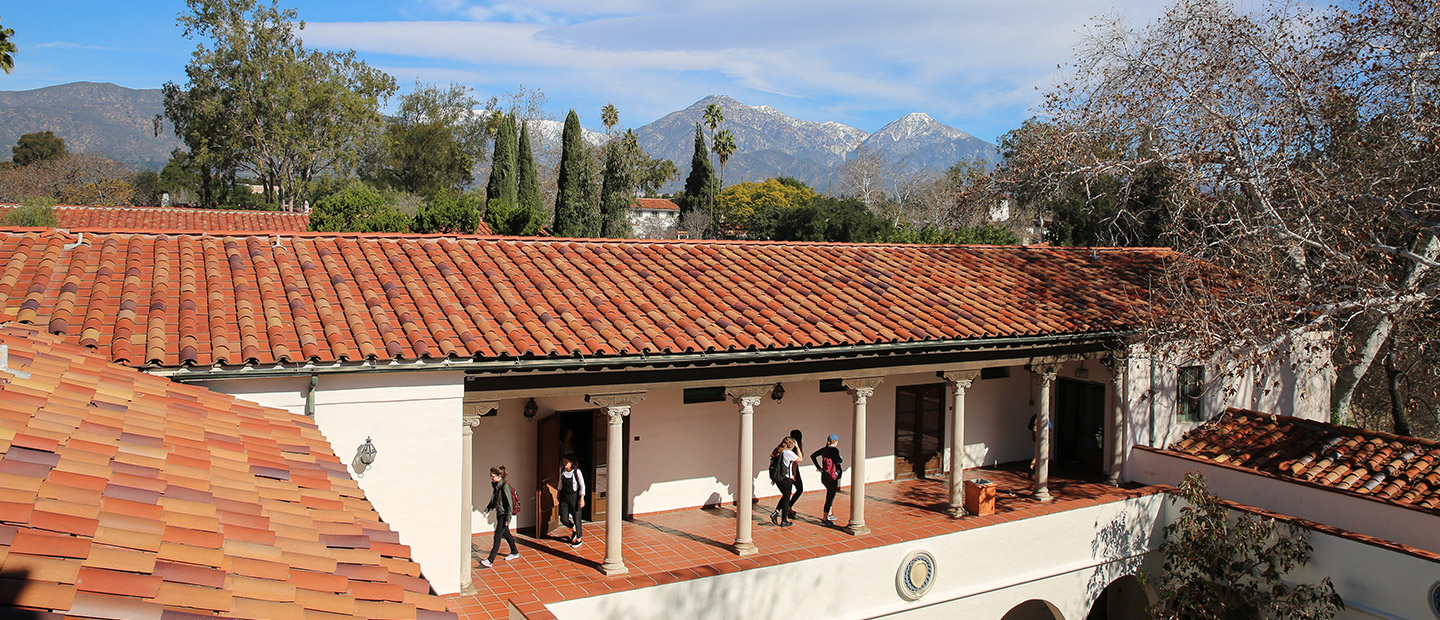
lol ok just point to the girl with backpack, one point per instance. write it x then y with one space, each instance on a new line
503 501
799 480
827 460
782 473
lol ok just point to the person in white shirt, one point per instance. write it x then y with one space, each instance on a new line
572 497
785 479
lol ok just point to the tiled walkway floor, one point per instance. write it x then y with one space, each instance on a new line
677 546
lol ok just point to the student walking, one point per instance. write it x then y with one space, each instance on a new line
502 500
782 473
828 461
572 497
799 480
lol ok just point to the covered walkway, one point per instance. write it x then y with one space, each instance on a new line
690 544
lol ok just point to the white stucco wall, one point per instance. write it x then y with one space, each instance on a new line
1374 518
413 418
1065 558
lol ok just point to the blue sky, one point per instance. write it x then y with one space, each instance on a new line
974 65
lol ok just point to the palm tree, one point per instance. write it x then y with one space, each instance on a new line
724 147
713 116
610 116
7 50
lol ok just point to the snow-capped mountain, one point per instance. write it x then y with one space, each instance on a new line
771 143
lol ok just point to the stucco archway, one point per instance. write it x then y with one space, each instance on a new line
1126 598
1034 609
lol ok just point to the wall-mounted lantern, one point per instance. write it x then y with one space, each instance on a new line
531 409
778 393
364 458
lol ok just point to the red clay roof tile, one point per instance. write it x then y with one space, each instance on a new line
1392 468
150 508
337 297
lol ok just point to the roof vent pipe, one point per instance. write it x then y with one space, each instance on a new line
5 363
79 241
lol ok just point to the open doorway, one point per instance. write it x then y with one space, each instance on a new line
1080 426
919 430
582 434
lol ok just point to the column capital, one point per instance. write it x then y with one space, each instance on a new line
615 401
748 392
1046 371
862 387
472 411
959 379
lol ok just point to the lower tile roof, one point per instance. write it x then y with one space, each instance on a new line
156 219
1400 470
123 495
656 204
181 299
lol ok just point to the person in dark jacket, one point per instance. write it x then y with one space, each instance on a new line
828 462
501 502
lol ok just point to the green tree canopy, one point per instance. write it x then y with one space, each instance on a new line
528 179
7 49
431 144
38 146
357 207
702 176
450 211
617 190
259 100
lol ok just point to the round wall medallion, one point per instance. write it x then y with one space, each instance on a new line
1435 599
916 575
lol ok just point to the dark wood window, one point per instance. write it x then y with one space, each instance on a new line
1189 397
996 372
832 385
704 395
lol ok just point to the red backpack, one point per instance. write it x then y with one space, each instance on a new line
828 469
514 500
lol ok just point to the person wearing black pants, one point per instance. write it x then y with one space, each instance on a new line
785 452
799 480
572 497
502 504
829 471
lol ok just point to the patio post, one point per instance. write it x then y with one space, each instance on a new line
1043 431
861 389
469 419
616 406
747 397
960 381
1120 372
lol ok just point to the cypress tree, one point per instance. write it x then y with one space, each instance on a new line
617 191
529 192
702 175
571 218
503 185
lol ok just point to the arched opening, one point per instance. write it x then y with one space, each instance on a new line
1034 609
1125 598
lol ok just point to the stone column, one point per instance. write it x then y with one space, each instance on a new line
959 382
616 406
1119 368
860 390
1043 431
747 398
469 419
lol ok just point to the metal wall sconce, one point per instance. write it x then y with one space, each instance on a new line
364 458
778 393
1082 373
531 409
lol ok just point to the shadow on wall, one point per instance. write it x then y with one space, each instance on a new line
1122 544
12 584
1033 609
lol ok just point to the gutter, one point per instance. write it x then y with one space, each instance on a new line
186 373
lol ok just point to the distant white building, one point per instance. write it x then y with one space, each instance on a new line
654 218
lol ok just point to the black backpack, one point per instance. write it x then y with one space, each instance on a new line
777 470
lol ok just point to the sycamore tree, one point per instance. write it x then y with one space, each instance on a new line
1301 149
258 100
431 144
1223 567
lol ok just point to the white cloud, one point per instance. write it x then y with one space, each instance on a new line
971 58
70 46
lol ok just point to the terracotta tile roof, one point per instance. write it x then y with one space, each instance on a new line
155 219
176 218
123 495
656 204
205 299
1391 468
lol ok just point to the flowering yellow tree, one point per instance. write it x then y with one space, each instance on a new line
738 203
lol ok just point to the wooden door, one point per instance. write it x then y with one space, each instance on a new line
919 430
1080 426
547 477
